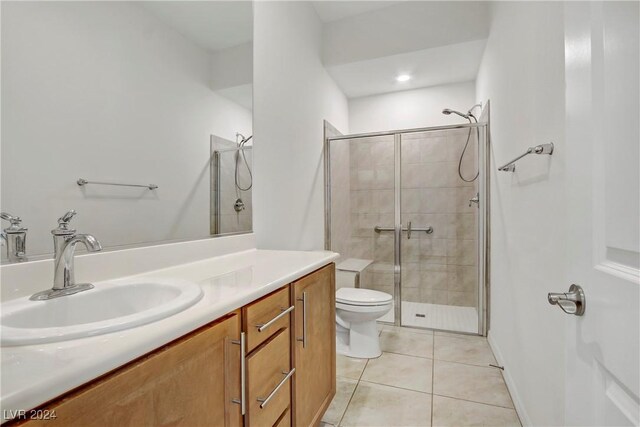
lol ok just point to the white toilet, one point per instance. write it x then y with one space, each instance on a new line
357 310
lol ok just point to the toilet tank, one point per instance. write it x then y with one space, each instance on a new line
348 272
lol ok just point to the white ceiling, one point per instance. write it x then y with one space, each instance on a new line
366 44
436 42
214 25
429 67
330 11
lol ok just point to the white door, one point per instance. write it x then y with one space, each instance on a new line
603 216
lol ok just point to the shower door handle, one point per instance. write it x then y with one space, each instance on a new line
409 230
475 199
379 229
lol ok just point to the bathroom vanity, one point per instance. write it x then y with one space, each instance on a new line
258 350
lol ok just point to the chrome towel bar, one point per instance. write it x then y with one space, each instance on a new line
538 149
82 181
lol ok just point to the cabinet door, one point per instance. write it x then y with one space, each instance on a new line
314 345
190 382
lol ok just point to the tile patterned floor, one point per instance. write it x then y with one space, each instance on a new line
423 378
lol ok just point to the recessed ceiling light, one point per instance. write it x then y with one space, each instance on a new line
403 78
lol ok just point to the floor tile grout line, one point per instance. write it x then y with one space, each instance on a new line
363 369
433 363
441 360
474 401
348 404
394 386
353 394
468 364
408 355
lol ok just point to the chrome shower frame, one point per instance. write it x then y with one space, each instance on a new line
483 207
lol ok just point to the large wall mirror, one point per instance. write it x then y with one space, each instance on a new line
153 96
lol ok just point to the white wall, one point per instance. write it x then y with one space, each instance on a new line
522 73
411 108
293 94
105 91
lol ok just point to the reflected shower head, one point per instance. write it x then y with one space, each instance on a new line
448 111
242 139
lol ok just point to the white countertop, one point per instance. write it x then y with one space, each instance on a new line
32 375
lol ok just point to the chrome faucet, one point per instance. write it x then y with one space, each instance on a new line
15 238
64 243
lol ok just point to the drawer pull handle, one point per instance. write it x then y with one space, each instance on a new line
264 326
243 373
304 320
263 402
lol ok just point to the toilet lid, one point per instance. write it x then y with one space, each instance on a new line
359 296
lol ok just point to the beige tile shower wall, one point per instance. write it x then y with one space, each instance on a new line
440 268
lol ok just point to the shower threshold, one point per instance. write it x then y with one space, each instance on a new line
437 316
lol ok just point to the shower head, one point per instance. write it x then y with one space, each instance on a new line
448 111
241 139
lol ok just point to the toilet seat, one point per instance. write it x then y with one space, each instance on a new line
362 297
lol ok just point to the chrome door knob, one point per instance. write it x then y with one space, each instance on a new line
572 302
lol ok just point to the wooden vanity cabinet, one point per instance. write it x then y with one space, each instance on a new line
196 380
189 382
314 345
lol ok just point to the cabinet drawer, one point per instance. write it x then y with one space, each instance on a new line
265 317
284 420
269 380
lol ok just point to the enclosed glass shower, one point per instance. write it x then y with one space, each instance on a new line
397 204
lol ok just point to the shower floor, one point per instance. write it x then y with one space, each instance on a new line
437 316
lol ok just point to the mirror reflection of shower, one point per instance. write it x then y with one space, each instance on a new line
241 141
469 115
231 207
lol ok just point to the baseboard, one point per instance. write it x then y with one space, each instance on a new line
511 386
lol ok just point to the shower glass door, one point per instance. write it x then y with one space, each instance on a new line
439 256
362 203
397 204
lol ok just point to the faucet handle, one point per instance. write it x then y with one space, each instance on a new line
64 219
63 223
14 220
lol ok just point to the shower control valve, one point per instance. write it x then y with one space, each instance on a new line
238 206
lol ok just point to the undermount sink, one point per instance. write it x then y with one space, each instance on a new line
107 308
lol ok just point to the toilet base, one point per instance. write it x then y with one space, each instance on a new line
361 340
